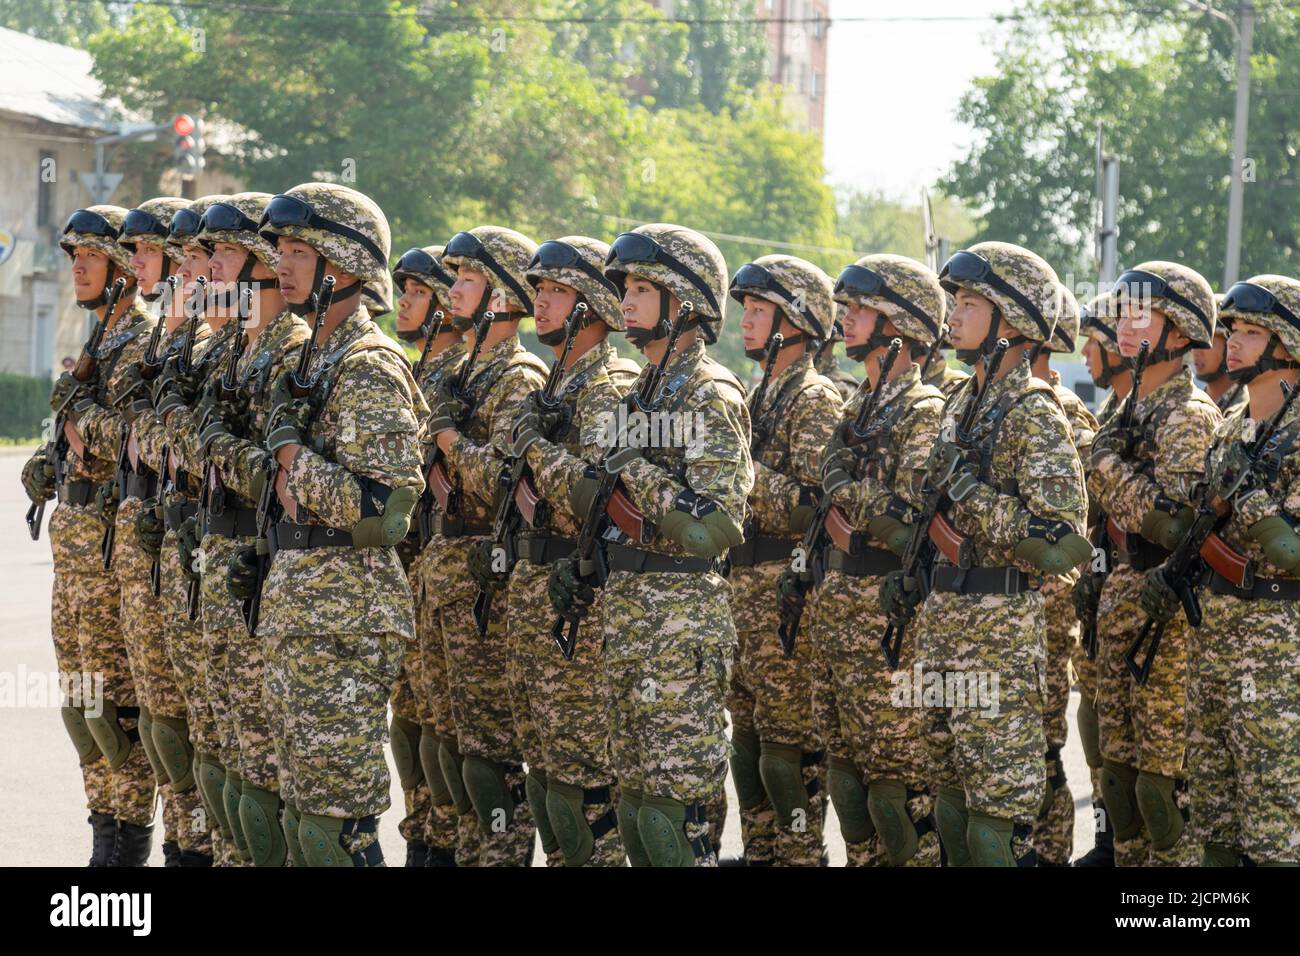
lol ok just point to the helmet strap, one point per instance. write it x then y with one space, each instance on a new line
1160 353
1267 362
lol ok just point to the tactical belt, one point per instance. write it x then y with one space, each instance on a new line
761 550
623 558
869 561
287 536
1008 580
174 515
1273 589
543 548
457 527
141 486
80 492
1146 556
233 523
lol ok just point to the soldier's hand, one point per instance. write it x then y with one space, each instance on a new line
106 501
187 544
571 593
1159 600
1111 440
481 559
551 418
149 528
900 596
1230 472
241 573
838 464
527 432
130 386
38 478
941 467
792 588
64 387
1085 596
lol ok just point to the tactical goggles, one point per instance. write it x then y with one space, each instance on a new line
223 217
754 279
185 225
554 254
91 224
418 263
859 281
1146 286
466 245
634 247
284 211
1247 297
966 266
138 222
1089 319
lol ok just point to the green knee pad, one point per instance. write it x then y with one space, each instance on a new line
212 781
432 767
319 837
289 823
1118 786
989 840
404 739
259 818
953 822
781 769
114 742
537 788
1216 854
230 792
849 797
661 821
1089 733
887 803
1155 800
745 752
171 738
74 722
485 783
564 806
629 807
451 761
145 728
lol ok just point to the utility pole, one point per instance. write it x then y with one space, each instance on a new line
1108 232
1245 30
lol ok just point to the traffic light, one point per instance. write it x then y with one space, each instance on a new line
189 143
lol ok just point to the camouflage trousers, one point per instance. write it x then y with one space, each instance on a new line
858 712
669 646
1142 728
409 703
479 672
769 699
1243 728
561 709
1084 674
91 657
1054 828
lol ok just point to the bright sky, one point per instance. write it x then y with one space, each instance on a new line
892 89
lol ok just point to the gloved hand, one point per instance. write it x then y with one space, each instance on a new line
1159 600
1111 440
64 387
130 386
943 463
838 465
187 543
568 586
140 405
900 596
149 528
174 388
1084 595
213 430
550 419
891 531
389 528
1166 529
290 418
621 457
1280 543
526 433
241 573
1229 476
1057 557
792 590
583 492
449 409
482 557
38 477
106 501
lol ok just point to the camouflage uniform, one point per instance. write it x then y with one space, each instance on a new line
944 377
1142 728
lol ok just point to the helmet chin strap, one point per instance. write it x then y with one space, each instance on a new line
794 338
341 294
990 341
643 337
1159 353
101 300
161 284
1108 370
1267 362
227 298
876 340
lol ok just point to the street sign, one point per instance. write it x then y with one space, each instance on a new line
101 186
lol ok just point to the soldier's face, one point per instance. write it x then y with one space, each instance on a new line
859 323
467 291
295 270
226 261
552 305
1093 358
1246 345
147 264
756 321
1138 321
641 303
970 320
1207 361
194 264
413 306
89 271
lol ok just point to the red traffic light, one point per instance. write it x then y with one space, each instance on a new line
183 124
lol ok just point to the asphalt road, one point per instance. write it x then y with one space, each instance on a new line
42 806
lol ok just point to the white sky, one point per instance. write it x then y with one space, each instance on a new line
892 90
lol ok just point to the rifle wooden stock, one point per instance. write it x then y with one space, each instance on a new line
839 530
946 538
527 500
1118 536
625 514
440 485
1225 561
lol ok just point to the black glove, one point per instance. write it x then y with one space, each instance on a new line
149 528
1085 596
1159 600
551 419
187 543
64 386
792 590
900 596
570 591
106 501
481 558
1111 440
38 478
241 573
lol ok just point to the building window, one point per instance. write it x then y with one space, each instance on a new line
45 188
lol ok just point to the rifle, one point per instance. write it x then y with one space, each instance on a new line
645 398
56 449
428 341
813 543
922 547
301 385
759 434
1202 545
505 523
1100 533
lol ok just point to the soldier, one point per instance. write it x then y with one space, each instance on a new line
1054 829
1143 479
1013 506
879 773
826 362
942 375
101 718
777 757
564 705
668 633
473 432
1242 695
421 698
1211 367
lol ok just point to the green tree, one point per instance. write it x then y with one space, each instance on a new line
57 20
871 222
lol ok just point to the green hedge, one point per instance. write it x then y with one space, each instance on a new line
24 404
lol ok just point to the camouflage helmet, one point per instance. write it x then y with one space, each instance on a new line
98 228
799 289
681 260
1271 302
577 261
1065 335
425 266
1019 282
235 220
1097 319
1222 323
1181 293
185 225
150 222
905 291
502 255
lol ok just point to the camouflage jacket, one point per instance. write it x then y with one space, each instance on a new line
1174 424
99 425
1233 400
944 377
151 435
592 386
1083 424
183 425
892 460
365 427
1029 467
799 414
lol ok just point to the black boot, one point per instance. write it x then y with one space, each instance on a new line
103 830
417 853
1103 850
440 856
133 845
194 858
171 853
